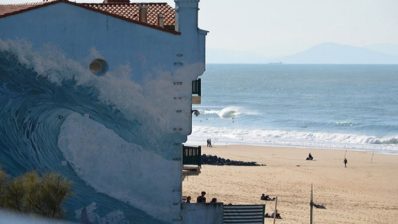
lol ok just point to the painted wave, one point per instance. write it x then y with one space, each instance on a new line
56 116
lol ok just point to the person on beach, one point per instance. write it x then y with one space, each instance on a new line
201 198
263 197
188 199
345 162
278 216
213 201
266 198
209 143
310 157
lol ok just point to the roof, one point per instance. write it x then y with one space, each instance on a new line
125 11
10 9
130 11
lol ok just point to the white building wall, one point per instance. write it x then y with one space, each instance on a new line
200 213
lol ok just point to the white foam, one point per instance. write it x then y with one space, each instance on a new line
387 144
229 112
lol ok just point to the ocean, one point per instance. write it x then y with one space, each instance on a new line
325 106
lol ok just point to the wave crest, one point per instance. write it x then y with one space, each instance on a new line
229 112
388 141
292 138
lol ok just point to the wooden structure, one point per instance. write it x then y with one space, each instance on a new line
192 155
191 160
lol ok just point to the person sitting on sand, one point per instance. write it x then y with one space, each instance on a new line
310 157
266 198
320 206
201 198
278 216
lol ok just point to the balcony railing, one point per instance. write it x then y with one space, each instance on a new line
196 91
242 214
192 155
197 87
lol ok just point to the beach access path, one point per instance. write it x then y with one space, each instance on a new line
364 192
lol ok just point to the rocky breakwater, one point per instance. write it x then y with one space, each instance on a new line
219 161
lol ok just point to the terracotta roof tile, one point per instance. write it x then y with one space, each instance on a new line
10 9
130 11
126 11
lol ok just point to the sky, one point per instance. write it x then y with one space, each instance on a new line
274 28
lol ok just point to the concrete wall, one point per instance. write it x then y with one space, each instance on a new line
201 213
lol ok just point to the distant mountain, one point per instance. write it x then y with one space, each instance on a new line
391 49
331 53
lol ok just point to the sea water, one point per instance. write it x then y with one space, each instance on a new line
325 106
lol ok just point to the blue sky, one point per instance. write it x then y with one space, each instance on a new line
273 28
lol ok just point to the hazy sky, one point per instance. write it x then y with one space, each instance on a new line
272 28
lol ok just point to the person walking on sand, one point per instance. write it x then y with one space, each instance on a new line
209 143
345 162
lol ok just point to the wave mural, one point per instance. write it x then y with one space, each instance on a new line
98 131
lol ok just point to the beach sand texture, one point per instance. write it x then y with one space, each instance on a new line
364 192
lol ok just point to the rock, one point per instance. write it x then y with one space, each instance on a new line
218 161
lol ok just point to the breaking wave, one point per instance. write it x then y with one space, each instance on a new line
248 136
229 112
389 141
56 116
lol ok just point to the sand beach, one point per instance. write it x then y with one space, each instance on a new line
364 192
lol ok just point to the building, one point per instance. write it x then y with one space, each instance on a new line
102 93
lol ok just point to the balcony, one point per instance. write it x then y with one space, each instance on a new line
192 155
196 91
191 160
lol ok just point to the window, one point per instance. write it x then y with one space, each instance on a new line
98 67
